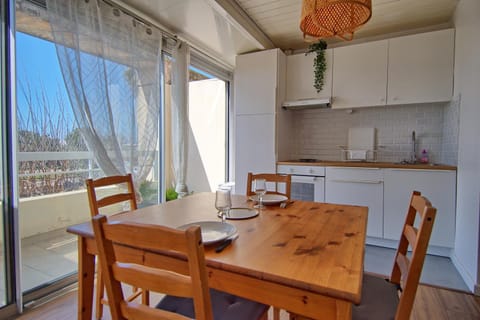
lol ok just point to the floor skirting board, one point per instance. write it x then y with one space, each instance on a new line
466 276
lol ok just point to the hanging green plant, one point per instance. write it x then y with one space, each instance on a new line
319 63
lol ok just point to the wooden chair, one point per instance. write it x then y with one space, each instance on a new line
96 202
284 179
380 296
188 295
393 298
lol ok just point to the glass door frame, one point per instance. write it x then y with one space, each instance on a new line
13 296
16 299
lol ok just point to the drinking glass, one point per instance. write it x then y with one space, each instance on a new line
223 201
260 188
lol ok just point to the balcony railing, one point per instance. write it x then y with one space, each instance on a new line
42 173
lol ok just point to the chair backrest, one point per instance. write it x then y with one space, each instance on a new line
97 202
118 268
282 179
407 270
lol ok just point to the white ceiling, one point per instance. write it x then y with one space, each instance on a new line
225 28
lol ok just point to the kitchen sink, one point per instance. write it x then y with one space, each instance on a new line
417 163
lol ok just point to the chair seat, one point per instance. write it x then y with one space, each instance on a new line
379 300
225 306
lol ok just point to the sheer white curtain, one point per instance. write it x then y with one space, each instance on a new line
180 77
111 65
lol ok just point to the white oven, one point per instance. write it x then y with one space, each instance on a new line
308 182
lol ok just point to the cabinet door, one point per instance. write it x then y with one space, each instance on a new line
254 147
360 75
420 68
361 187
438 186
300 75
255 82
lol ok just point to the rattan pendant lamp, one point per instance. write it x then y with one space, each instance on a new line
330 18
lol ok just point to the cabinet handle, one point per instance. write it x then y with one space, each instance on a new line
419 170
357 181
356 168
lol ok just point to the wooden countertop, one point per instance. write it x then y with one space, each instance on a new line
363 164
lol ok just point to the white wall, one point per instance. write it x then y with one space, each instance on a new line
57 211
467 80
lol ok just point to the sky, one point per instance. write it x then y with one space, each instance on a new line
38 65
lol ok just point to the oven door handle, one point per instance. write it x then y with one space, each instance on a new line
305 179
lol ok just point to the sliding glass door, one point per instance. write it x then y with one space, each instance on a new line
58 148
207 116
3 291
8 247
208 149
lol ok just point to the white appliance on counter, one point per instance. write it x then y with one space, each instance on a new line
308 182
360 145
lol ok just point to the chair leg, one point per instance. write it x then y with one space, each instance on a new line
99 295
264 316
293 316
145 297
276 313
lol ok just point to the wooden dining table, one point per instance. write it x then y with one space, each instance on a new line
306 258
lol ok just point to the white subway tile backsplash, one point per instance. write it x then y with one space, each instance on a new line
319 133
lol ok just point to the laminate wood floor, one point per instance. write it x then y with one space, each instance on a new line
430 303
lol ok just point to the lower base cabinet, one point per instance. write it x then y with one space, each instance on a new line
439 186
387 192
361 187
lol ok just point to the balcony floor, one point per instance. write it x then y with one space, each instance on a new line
49 256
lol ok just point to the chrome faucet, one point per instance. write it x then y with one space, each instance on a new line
413 156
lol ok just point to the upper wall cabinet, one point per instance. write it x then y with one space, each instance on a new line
360 75
256 80
300 75
420 67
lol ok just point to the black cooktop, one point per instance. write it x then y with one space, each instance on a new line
308 160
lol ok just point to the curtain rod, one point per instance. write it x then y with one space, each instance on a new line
168 34
128 10
123 8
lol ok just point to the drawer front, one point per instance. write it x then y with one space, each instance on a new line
360 175
301 170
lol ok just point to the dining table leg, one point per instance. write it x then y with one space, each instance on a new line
86 277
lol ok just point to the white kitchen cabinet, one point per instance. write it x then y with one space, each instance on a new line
256 82
358 186
255 150
259 88
439 186
360 75
300 77
420 68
